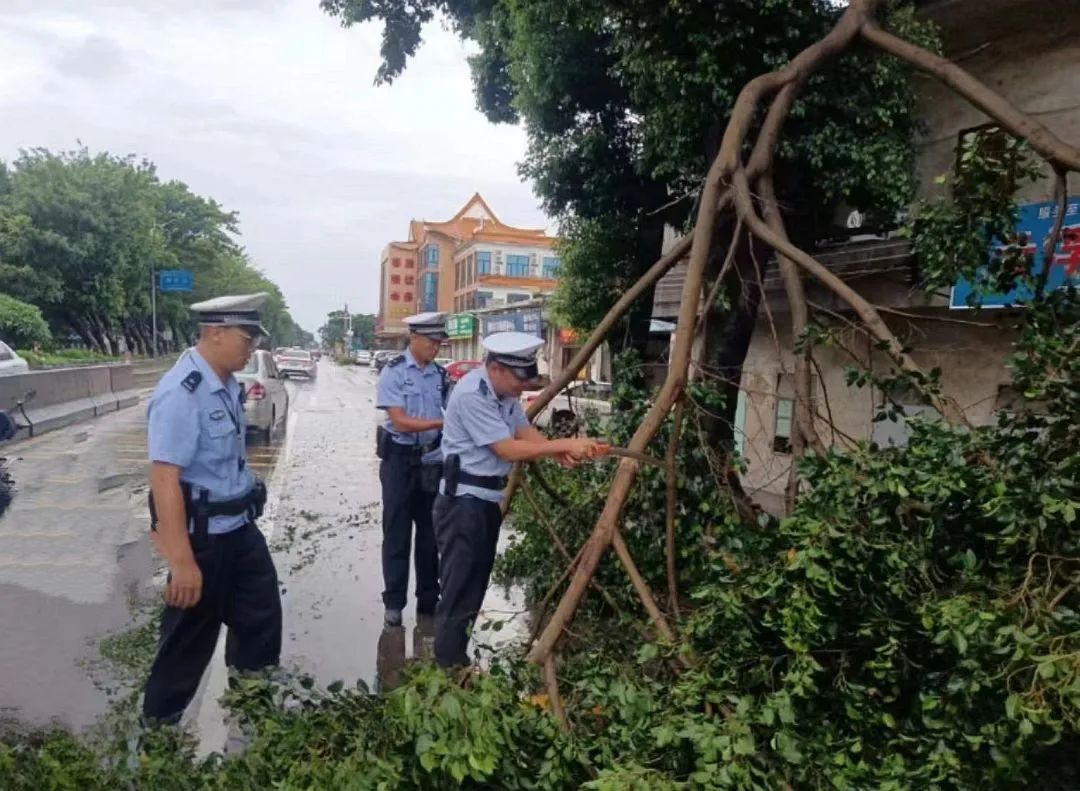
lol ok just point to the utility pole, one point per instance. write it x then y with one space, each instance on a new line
153 310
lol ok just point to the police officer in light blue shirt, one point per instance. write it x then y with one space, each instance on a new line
485 432
204 503
412 389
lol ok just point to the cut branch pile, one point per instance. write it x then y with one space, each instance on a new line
742 193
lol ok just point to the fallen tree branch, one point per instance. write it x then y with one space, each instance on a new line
875 325
671 491
553 694
642 587
726 162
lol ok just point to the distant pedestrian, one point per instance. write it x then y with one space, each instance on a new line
204 503
412 389
486 431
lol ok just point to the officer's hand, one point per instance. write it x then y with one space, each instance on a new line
566 460
586 448
184 588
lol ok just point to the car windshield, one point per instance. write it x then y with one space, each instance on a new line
297 355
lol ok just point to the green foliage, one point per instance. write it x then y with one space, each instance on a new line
624 104
363 327
21 324
915 623
64 357
80 234
952 235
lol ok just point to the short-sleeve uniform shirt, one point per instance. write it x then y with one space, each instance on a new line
419 391
477 418
201 429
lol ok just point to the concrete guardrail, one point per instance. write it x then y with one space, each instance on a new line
67 395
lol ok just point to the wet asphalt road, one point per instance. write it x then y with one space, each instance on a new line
76 564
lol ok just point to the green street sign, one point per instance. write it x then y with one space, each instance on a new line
461 325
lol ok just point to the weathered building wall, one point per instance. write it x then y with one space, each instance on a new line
971 359
1026 50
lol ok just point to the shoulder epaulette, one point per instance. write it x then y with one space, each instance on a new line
192 381
396 361
483 387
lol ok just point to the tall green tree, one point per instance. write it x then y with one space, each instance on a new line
81 235
363 327
624 103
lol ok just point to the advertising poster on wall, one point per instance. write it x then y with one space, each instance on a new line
1034 225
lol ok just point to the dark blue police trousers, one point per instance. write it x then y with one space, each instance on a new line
240 590
467 531
405 504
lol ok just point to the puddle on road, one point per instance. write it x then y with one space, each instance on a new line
78 573
77 567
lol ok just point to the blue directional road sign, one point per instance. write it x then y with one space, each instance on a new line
176 280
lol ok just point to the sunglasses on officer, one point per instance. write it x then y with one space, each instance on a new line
253 336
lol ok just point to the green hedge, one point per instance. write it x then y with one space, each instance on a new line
21 324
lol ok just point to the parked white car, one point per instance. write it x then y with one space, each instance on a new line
10 362
363 356
567 411
297 362
266 402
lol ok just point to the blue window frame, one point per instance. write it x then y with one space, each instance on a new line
551 267
517 265
516 298
430 298
484 299
483 263
431 256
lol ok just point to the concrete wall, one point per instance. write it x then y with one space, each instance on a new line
68 395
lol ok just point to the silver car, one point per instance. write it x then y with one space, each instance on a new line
266 402
10 362
297 362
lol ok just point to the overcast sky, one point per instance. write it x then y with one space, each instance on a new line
268 107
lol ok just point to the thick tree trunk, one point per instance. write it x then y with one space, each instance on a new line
108 348
86 331
728 331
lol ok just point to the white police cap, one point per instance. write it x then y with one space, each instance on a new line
515 350
241 310
431 325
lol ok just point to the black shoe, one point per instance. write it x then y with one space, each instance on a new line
392 617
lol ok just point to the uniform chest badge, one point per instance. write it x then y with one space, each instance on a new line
217 414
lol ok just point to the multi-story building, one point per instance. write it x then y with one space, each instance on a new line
399 278
471 261
1007 45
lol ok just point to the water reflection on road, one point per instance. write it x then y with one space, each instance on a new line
76 564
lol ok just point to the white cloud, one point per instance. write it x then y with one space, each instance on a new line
267 106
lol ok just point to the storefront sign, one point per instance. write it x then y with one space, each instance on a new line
529 320
1036 221
461 326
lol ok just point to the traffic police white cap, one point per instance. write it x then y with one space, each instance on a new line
515 350
241 310
431 325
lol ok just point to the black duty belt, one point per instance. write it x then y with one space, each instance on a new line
418 450
496 482
200 510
